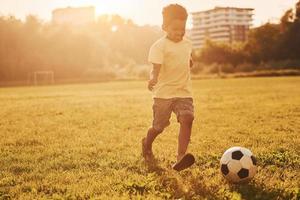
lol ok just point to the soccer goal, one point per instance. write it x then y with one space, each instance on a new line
41 77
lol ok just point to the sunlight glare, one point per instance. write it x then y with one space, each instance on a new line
114 28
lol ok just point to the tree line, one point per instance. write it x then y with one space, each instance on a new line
116 47
270 46
102 50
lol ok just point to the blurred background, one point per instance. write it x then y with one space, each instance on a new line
87 41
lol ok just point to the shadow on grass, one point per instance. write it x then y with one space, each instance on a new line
153 166
179 185
259 192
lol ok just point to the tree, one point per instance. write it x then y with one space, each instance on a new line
69 51
222 53
262 43
215 53
286 20
298 11
290 41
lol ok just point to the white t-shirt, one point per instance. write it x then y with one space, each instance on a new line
174 77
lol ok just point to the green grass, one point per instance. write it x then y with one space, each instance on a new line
83 141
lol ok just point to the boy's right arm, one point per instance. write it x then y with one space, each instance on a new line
154 76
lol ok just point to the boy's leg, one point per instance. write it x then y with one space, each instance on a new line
186 122
151 135
184 110
162 110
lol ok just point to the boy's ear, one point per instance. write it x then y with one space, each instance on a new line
163 26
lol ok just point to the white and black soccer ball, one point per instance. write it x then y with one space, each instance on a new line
238 164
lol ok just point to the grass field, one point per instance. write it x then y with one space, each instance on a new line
83 141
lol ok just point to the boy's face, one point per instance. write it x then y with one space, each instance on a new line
175 30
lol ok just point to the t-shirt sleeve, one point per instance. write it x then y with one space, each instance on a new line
156 53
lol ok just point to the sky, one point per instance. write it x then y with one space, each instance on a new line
144 11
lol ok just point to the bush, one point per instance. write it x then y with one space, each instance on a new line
227 68
284 64
197 67
213 68
246 67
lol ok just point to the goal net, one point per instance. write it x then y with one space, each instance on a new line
41 77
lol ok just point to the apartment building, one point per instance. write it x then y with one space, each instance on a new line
221 24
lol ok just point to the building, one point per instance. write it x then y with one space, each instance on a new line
74 16
224 24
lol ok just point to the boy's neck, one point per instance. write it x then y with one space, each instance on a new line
173 40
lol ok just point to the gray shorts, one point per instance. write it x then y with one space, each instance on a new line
163 108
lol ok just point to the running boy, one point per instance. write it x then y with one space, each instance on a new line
171 85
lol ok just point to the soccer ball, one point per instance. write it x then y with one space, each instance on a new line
238 165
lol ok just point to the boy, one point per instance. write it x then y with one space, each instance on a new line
170 84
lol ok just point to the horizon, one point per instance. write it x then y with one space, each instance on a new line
140 11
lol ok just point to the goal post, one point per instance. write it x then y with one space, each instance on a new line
41 77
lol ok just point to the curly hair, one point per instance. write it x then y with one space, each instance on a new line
172 12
